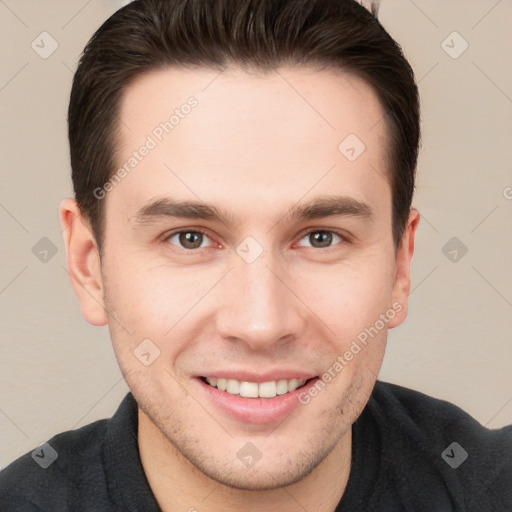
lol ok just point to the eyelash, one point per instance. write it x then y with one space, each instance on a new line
344 237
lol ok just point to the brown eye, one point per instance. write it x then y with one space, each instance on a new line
319 238
188 239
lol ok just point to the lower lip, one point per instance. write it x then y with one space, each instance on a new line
256 410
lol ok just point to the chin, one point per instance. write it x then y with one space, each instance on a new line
264 478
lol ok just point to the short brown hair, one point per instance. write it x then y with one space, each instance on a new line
146 35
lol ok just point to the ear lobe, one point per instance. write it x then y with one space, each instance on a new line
402 284
83 262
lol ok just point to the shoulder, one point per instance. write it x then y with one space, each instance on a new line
56 471
438 418
474 462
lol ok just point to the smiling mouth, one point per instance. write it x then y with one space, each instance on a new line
245 389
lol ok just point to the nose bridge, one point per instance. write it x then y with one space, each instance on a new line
258 309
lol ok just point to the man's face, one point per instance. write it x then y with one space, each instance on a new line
263 294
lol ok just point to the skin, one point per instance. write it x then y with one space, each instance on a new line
254 148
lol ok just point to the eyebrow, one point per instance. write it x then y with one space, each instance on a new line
324 206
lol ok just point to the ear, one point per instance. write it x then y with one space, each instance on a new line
83 261
402 284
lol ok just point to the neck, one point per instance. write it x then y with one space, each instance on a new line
179 485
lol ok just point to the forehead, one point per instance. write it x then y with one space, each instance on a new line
333 101
278 131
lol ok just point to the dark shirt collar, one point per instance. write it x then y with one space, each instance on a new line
128 486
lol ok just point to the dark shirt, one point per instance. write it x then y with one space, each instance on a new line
403 459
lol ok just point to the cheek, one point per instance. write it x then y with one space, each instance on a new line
154 301
348 298
139 301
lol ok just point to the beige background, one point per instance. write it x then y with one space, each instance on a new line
57 372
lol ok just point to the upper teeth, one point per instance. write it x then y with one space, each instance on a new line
255 390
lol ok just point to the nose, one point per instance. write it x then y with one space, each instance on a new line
258 306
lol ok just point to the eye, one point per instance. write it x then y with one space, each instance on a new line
188 239
320 238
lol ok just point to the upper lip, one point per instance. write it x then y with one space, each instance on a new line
259 377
